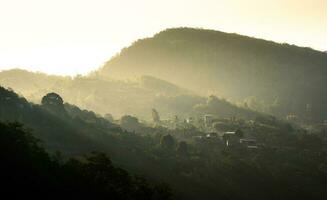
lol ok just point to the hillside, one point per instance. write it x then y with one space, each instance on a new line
137 96
117 97
62 127
57 129
28 168
289 163
289 79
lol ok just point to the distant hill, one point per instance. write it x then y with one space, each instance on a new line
117 97
289 79
109 96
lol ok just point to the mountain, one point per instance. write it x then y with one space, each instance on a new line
287 78
117 97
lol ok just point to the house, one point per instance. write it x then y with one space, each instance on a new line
190 120
198 138
235 138
212 135
249 143
292 117
230 138
208 120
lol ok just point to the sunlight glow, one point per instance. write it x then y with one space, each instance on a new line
77 36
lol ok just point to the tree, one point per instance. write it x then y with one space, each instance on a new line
220 126
176 120
213 101
54 103
155 116
167 142
52 99
109 117
182 148
130 123
239 133
28 168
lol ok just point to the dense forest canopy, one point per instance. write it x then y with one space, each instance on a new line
285 162
285 77
28 171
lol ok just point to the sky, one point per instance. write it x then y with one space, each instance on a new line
69 37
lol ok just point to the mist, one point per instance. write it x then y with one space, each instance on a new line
183 113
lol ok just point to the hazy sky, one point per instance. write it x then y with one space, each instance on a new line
76 36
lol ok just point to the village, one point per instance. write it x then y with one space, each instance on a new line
231 132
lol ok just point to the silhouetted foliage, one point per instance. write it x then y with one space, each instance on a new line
52 99
167 142
130 123
54 103
288 163
27 171
155 116
182 148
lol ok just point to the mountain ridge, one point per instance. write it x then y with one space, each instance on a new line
118 98
229 65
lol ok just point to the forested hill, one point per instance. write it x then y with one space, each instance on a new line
119 98
288 77
28 171
288 162
61 127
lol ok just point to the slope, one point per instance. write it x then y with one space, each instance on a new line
289 79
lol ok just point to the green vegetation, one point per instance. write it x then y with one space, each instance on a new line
287 163
117 97
285 77
28 171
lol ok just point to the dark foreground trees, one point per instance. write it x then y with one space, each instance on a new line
26 170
